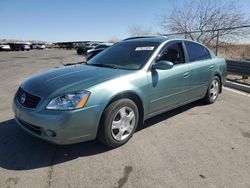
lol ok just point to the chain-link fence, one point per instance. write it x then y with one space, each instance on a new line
235 45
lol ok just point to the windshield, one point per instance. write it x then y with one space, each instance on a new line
130 55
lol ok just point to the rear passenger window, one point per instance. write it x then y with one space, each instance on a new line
196 52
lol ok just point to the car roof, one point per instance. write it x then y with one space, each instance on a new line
159 39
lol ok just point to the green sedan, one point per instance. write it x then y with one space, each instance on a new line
117 90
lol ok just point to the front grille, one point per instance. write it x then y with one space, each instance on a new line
26 99
32 128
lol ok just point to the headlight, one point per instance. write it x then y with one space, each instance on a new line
69 101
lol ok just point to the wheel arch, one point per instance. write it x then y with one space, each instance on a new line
132 96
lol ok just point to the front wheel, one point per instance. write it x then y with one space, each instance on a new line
213 90
118 123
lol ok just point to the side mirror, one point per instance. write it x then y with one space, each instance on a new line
163 65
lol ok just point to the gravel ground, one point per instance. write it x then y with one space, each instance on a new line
193 146
239 79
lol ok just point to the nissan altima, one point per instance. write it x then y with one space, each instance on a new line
117 90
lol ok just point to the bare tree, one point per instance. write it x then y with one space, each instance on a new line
137 30
202 15
113 40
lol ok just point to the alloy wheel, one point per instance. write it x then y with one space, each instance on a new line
123 123
214 89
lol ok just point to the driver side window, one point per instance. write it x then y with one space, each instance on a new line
173 53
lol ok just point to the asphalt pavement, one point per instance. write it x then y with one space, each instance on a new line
193 146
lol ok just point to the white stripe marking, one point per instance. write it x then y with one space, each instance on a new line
236 91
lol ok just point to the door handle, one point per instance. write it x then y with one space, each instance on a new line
186 75
211 66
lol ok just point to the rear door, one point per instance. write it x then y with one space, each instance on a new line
200 68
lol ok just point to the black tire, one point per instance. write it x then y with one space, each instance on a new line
209 98
79 52
105 134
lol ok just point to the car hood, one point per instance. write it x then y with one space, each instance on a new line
69 79
95 50
91 50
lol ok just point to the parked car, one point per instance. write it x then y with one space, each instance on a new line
38 46
90 46
4 47
25 47
15 46
83 48
19 46
93 52
117 90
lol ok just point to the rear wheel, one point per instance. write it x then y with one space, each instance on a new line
213 90
118 123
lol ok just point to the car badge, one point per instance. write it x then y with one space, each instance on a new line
23 98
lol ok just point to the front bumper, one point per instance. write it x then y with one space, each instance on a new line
68 126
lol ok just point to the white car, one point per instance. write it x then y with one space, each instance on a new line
38 46
5 47
100 46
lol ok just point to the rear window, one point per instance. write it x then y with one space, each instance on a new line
196 52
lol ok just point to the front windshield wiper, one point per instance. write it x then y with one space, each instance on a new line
109 66
105 65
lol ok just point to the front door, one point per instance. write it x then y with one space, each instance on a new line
169 88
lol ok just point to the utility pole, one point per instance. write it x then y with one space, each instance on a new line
217 42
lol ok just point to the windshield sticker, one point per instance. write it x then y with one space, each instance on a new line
145 48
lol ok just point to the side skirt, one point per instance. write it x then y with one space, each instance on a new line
171 108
